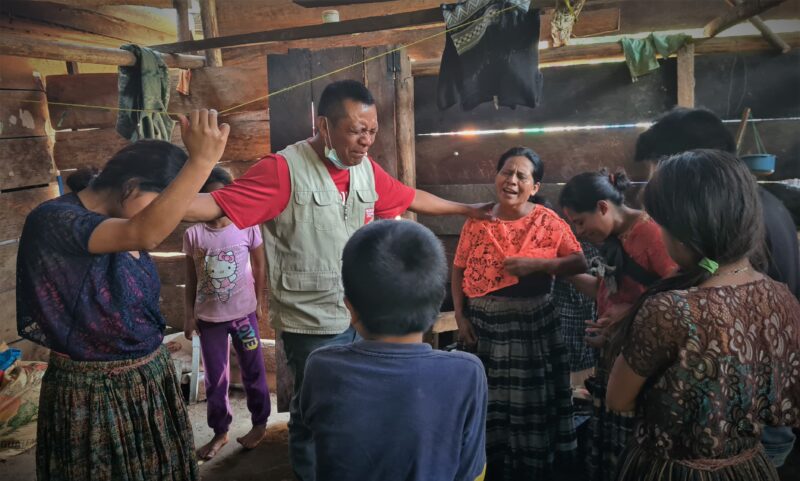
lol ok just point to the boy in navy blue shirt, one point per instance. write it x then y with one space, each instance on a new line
389 407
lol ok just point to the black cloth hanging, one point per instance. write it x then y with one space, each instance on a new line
495 57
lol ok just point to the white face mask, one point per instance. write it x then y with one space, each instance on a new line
330 152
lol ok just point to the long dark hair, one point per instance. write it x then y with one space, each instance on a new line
582 192
707 200
149 165
536 162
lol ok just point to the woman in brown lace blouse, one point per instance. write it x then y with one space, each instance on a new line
711 355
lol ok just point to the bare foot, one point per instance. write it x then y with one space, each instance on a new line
254 437
212 448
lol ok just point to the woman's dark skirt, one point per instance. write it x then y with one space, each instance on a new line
610 432
117 420
529 425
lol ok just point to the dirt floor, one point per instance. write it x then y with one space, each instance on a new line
268 462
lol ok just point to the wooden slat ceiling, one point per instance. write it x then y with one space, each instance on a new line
100 3
106 24
246 16
113 22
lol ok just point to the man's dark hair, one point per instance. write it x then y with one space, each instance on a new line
332 99
394 275
683 129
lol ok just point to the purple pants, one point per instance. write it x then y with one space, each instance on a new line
216 356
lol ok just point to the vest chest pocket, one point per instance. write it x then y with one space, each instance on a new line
366 205
327 209
302 207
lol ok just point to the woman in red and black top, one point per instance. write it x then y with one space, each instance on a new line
633 257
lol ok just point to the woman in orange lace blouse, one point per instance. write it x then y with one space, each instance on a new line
502 276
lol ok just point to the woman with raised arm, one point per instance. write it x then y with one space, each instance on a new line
111 406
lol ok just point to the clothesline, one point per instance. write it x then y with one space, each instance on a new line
290 87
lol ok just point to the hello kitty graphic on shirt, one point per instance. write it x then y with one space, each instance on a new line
221 271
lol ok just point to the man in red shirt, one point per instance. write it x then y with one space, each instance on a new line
310 197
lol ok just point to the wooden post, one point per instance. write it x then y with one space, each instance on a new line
182 10
208 10
404 124
742 129
686 76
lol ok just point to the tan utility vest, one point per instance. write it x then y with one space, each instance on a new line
304 243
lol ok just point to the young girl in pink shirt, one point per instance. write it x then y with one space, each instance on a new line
224 289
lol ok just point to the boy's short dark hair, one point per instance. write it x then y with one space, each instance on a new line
394 275
683 129
334 95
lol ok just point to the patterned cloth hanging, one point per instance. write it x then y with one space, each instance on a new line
494 57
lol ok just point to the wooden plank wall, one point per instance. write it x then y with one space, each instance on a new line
459 167
292 110
26 179
87 137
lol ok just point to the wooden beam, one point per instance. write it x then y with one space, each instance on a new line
404 124
333 3
149 17
769 35
99 3
246 16
182 12
42 31
23 46
737 15
613 51
86 21
208 12
762 27
593 22
347 27
563 20
686 76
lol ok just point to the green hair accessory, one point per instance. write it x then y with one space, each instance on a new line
709 265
